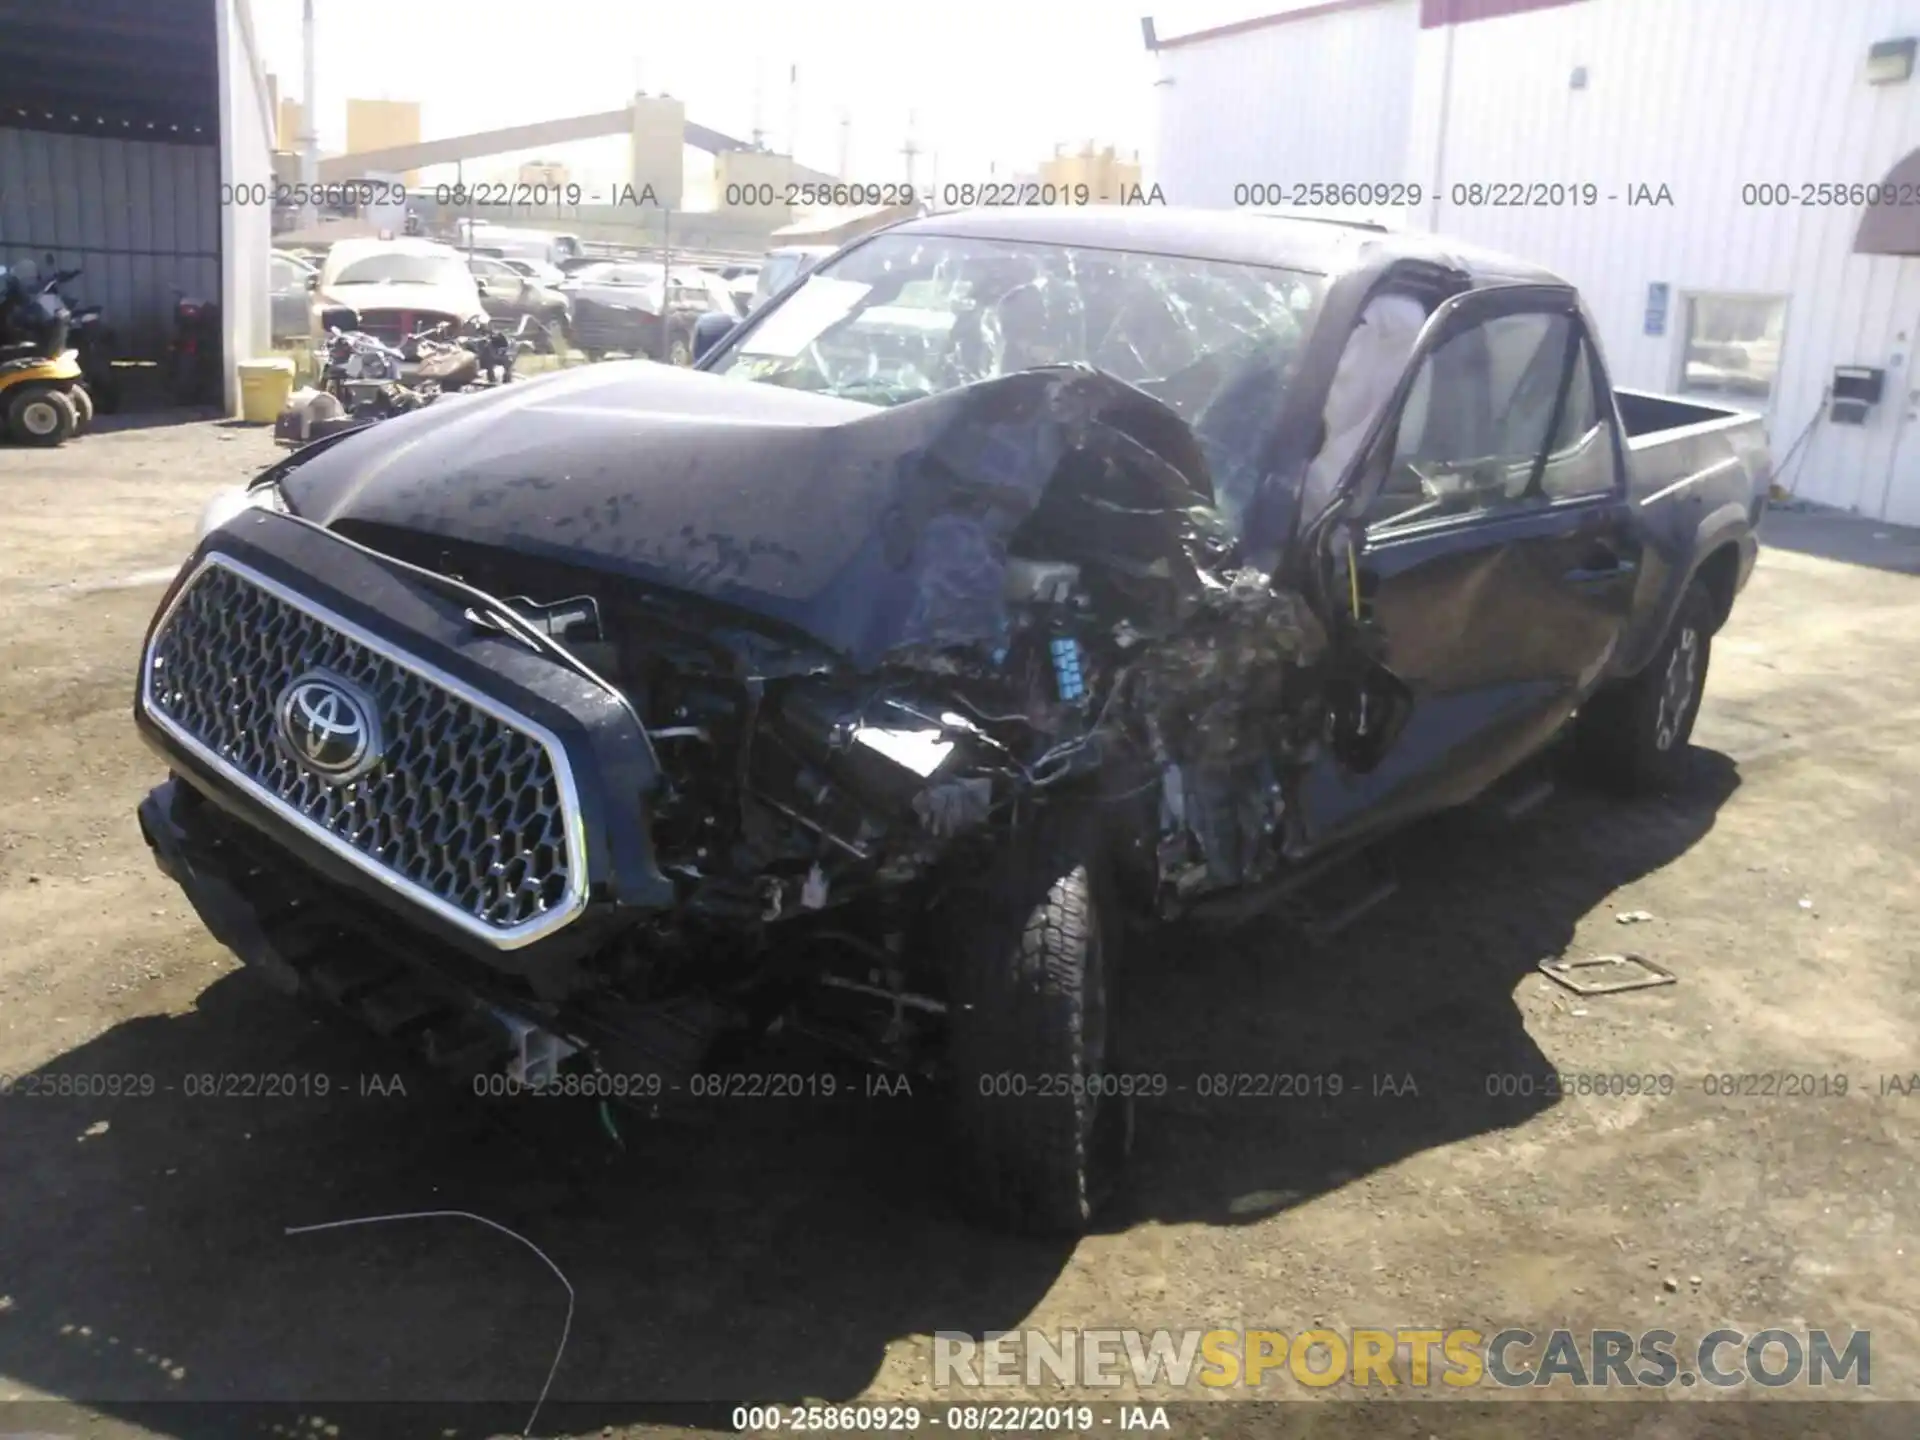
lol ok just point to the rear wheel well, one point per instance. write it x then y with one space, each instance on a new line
1718 572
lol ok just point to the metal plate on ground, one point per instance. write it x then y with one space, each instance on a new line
1606 974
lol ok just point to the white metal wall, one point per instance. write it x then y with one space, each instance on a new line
1328 97
1703 96
141 218
246 158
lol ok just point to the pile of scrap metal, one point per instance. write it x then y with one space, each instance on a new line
362 379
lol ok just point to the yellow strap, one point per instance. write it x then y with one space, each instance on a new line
1353 578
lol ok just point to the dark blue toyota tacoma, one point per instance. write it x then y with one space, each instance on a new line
1005 574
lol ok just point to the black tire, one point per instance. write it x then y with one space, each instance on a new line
39 416
680 351
82 409
1031 956
1632 736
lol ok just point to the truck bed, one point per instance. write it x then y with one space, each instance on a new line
1645 414
1698 474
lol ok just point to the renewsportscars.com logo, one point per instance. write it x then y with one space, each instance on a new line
1375 1359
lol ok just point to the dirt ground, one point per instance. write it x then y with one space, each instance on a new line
790 1249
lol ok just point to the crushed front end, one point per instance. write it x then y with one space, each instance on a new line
525 803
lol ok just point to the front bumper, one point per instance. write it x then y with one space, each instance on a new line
289 931
308 938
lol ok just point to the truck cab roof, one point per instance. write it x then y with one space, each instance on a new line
1243 237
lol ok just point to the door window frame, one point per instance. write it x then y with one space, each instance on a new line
1453 317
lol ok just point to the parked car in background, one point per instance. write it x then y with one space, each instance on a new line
397 287
618 305
504 242
547 274
508 295
784 265
743 281
290 295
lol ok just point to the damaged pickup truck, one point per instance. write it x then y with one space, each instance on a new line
1016 577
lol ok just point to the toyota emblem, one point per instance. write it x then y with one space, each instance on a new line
329 727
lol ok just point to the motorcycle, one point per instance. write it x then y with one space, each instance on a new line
193 354
362 379
42 393
88 335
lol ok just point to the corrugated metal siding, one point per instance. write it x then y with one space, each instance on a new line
1702 96
1278 104
142 218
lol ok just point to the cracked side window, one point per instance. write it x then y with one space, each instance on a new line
1475 425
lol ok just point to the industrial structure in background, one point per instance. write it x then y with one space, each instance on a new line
1739 201
149 151
1107 177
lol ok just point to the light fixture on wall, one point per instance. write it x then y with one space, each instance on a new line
1578 80
1890 62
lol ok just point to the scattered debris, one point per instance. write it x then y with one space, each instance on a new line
1633 917
1671 1284
99 1127
566 1326
1805 903
1606 974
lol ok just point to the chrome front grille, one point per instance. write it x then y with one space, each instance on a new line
468 809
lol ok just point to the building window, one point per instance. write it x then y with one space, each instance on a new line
1732 345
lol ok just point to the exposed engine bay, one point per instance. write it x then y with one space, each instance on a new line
1050 612
1060 602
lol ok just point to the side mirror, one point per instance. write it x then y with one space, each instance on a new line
480 284
313 281
709 330
339 317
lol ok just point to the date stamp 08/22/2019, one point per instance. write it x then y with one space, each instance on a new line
1723 1086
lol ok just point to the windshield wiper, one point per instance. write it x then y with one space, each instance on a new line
892 390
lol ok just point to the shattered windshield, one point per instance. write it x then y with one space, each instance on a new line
907 316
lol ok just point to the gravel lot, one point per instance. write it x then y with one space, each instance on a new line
793 1250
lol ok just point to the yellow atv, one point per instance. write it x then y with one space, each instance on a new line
43 399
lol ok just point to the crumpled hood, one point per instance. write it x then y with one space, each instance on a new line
869 529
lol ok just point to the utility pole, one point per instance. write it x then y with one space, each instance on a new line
793 112
911 148
759 105
309 122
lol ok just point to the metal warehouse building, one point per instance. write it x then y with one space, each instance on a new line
120 122
1734 184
